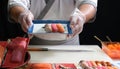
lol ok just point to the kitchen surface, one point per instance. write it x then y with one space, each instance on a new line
17 53
55 56
93 53
68 54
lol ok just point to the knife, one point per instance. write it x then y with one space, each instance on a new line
62 50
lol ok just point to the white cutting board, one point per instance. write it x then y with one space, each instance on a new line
67 57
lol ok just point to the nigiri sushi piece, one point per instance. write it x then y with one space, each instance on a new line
54 27
61 28
48 28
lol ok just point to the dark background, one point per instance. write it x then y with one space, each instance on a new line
106 24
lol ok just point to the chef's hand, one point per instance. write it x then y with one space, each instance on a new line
25 19
77 20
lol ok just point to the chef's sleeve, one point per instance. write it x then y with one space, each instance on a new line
78 3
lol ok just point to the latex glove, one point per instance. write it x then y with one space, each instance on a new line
77 20
25 19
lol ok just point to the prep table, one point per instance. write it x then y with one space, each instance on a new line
67 57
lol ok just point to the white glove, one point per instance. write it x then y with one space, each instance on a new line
77 20
25 19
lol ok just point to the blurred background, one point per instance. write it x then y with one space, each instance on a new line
106 24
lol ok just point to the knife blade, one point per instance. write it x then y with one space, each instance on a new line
4 56
62 50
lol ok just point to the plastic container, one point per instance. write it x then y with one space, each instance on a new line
112 49
49 26
19 45
26 61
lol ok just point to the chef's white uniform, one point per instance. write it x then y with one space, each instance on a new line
60 10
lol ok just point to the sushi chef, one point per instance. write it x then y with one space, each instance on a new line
78 12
